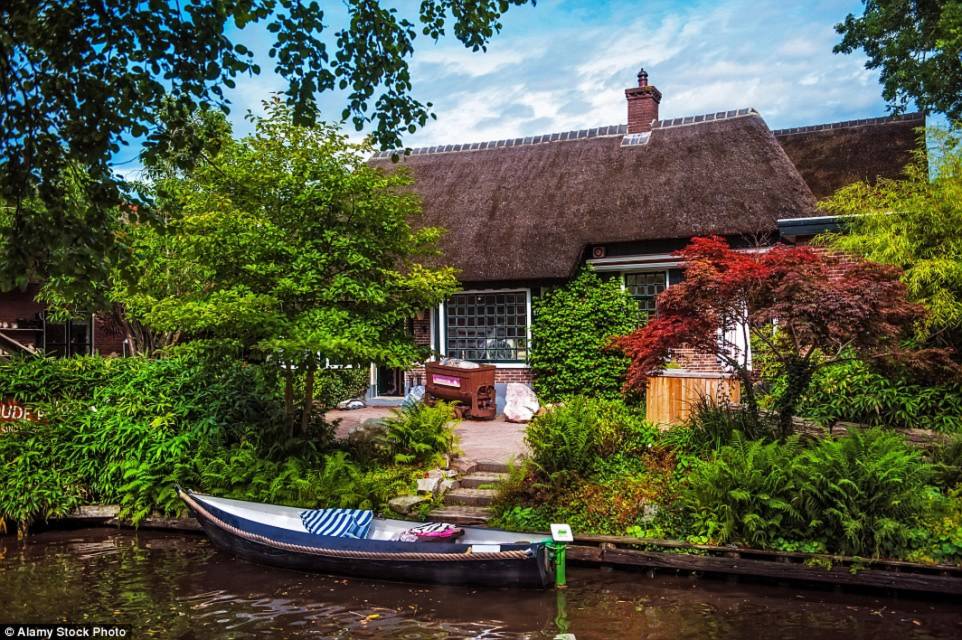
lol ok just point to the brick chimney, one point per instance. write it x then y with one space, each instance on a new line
642 104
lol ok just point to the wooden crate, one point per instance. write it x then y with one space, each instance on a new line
671 395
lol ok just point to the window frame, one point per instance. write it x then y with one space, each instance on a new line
441 330
69 328
624 284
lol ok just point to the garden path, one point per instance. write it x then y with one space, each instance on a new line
497 440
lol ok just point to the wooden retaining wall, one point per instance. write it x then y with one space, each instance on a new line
784 566
671 394
677 556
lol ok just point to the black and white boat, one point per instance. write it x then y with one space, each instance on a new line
277 535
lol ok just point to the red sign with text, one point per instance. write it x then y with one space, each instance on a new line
12 411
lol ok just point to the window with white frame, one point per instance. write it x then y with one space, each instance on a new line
487 326
644 287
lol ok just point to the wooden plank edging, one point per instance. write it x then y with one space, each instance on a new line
873 578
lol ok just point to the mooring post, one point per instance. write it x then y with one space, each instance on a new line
560 536
559 554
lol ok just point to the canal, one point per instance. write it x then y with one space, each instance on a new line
177 586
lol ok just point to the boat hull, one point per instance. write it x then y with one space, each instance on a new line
433 563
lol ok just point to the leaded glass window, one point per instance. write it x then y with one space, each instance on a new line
487 326
645 287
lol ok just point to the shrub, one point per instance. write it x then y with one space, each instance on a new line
570 334
126 431
418 433
712 425
947 462
335 385
866 493
745 493
33 379
32 487
943 538
853 392
575 436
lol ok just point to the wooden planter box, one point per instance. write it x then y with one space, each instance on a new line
671 395
472 389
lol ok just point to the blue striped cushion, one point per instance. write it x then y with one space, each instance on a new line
340 523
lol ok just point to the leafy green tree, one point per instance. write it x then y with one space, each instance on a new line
285 245
917 46
82 77
915 223
571 334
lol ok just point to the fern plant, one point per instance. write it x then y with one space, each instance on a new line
746 492
864 494
417 433
576 436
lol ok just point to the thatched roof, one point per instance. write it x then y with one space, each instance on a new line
526 209
830 156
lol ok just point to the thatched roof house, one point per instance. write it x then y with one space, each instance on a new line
831 156
526 213
527 209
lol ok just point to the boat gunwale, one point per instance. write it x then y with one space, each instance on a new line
312 544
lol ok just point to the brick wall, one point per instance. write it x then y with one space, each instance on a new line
20 307
693 360
513 375
108 337
422 330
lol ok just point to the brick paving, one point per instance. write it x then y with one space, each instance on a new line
493 441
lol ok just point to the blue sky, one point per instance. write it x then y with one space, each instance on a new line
564 64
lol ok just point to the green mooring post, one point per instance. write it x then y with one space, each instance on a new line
560 536
560 556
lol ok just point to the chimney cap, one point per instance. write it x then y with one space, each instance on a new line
642 78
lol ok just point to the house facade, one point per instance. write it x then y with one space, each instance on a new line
524 215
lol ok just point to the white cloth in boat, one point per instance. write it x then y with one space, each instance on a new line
339 523
434 531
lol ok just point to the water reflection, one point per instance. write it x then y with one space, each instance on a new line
174 586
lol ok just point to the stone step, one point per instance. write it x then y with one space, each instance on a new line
461 515
470 497
482 478
492 467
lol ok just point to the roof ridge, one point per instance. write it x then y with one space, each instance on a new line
575 134
705 117
915 115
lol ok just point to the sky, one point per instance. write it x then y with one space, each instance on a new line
564 64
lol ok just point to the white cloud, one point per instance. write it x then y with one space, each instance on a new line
704 58
460 61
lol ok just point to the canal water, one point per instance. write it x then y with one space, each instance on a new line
178 586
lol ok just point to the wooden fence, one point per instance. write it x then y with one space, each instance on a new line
671 395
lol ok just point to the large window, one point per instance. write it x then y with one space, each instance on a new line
490 327
67 339
645 287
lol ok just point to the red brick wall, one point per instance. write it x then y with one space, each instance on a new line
422 330
108 337
513 375
693 360
642 108
19 306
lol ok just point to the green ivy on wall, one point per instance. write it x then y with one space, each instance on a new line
570 335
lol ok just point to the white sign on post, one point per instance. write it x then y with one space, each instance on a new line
562 533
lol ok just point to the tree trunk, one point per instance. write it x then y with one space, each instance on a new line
798 375
751 402
289 399
308 398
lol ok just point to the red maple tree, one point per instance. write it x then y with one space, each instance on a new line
810 309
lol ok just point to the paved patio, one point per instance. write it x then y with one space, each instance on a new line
496 441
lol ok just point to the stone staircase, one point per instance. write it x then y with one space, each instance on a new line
468 503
